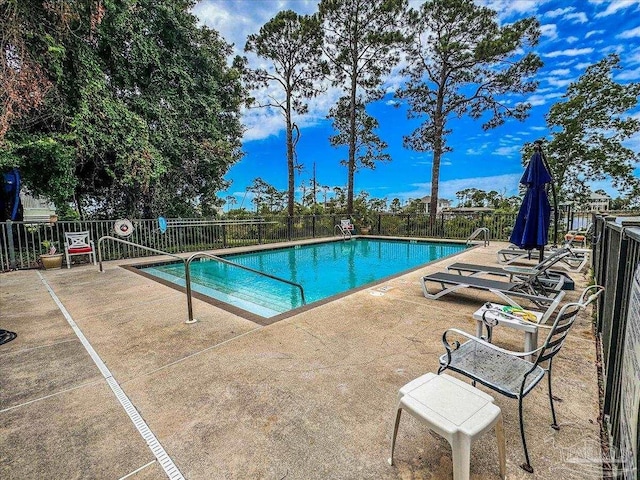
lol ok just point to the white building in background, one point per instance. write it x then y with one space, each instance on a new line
443 203
598 202
36 209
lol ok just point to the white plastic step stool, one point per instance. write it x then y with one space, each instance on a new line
454 410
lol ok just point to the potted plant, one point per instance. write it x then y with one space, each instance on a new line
50 259
366 222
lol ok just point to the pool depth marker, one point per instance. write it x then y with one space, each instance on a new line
152 442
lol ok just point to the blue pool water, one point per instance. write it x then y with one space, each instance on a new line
323 270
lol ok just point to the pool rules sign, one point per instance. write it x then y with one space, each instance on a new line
630 398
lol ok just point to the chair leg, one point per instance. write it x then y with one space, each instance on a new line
461 456
395 433
554 425
527 465
501 447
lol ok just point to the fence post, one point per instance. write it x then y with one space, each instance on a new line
313 226
224 236
289 228
379 223
12 253
260 233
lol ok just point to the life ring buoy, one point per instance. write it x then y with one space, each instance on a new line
123 227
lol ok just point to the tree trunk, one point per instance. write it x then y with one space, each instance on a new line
435 184
352 116
352 148
437 156
290 165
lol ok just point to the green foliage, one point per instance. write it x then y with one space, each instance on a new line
588 128
473 197
361 41
141 115
462 62
369 148
267 198
293 44
47 163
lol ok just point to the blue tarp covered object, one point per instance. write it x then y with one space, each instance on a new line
531 229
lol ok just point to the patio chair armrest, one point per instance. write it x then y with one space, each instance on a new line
473 338
587 298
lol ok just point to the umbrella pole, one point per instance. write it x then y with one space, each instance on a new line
538 146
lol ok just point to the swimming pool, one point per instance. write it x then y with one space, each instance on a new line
323 269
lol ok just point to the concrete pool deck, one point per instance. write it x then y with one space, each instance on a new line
309 397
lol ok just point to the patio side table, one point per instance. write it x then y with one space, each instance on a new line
456 411
530 329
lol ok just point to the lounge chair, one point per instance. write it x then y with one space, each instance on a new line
575 261
539 275
508 292
507 372
579 236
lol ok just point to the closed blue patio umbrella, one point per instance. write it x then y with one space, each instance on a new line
531 230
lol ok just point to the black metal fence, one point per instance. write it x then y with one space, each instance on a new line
21 243
616 258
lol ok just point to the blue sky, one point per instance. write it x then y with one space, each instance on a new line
575 34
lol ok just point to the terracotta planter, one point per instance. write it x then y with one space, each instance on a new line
51 261
364 230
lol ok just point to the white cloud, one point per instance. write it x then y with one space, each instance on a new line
578 17
570 52
629 74
572 39
507 183
549 30
235 20
560 71
633 33
593 32
633 57
262 123
536 99
506 8
615 6
558 82
558 12
507 151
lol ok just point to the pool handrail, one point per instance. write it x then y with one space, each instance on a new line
187 270
344 231
476 233
137 245
187 266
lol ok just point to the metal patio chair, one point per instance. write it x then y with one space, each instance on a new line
507 372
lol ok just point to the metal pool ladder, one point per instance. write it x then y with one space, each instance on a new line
345 232
484 231
187 273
